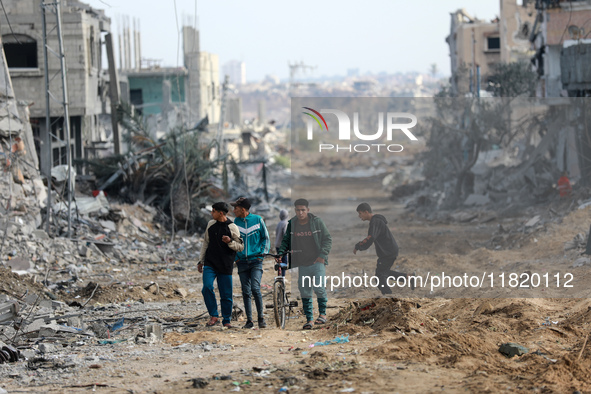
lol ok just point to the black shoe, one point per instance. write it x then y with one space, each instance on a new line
262 323
249 324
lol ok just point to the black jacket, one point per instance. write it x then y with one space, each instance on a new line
217 254
380 234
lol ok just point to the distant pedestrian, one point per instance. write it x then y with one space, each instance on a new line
386 247
220 244
250 261
279 233
310 242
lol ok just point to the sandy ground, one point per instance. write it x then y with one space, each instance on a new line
404 344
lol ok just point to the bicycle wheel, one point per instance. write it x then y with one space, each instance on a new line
279 303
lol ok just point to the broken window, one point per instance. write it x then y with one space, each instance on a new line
20 51
493 43
136 98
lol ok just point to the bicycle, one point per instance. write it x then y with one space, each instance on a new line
282 306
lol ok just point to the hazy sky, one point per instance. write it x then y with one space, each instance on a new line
372 35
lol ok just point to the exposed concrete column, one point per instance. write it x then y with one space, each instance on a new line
192 82
113 92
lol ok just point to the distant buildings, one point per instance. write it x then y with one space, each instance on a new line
236 70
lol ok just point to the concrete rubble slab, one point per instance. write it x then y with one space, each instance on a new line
533 221
476 199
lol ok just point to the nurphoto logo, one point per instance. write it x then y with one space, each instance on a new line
390 124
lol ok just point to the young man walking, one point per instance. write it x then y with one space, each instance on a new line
310 242
386 246
220 244
249 261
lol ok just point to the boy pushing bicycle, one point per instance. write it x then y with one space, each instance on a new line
310 242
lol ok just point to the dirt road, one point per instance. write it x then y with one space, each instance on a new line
406 345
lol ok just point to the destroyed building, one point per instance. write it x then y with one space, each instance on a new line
560 37
83 30
176 95
476 43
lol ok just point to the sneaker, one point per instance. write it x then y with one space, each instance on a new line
249 324
262 323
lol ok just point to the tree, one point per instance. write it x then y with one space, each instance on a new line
512 80
466 125
174 173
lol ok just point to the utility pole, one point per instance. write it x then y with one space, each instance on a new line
220 133
53 9
114 93
294 68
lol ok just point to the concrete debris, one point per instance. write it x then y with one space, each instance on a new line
87 205
8 311
581 261
463 217
578 242
533 221
476 199
182 292
154 332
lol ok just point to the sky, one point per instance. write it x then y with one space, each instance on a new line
333 36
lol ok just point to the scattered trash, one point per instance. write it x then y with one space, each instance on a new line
200 383
341 339
368 306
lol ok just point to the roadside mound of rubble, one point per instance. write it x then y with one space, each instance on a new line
469 334
513 230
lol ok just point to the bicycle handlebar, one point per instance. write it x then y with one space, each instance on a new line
272 255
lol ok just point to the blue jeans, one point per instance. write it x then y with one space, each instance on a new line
250 273
225 289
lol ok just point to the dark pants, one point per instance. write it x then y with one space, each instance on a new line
383 271
250 273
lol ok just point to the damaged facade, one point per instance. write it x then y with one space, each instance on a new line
83 28
562 48
554 139
178 95
477 43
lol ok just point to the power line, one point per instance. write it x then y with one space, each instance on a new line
9 25
570 4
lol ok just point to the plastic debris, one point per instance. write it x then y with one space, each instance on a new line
117 326
341 339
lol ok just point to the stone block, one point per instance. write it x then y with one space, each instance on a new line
155 329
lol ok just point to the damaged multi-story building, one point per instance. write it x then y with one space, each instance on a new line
476 45
187 93
549 36
563 47
169 96
84 29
